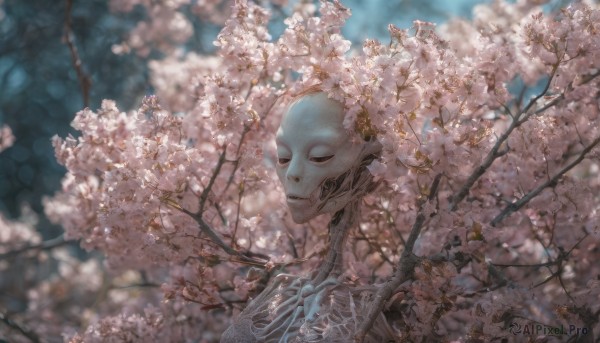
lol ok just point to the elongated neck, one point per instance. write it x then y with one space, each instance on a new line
339 226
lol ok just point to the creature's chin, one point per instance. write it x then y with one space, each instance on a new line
301 218
303 212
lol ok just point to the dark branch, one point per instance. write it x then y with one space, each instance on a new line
85 81
208 188
495 152
518 120
46 245
513 207
212 235
23 330
408 262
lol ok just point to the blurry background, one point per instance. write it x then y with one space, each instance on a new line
40 91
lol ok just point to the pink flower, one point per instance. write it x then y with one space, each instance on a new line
6 138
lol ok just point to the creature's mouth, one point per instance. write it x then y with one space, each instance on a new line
295 197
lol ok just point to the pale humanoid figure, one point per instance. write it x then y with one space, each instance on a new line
322 167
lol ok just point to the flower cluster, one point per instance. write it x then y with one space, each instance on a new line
490 136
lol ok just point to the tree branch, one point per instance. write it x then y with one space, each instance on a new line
375 245
517 121
408 262
515 206
24 331
495 152
212 235
85 81
208 188
46 245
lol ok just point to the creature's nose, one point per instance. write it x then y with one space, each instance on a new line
294 171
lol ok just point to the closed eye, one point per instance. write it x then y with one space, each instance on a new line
321 159
282 160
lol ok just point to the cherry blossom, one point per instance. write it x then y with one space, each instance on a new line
487 210
6 137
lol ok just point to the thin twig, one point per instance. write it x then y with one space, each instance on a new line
518 265
495 152
533 101
137 285
521 96
208 188
517 121
408 262
237 214
236 163
85 81
23 330
46 245
207 230
515 206
561 257
377 246
211 233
